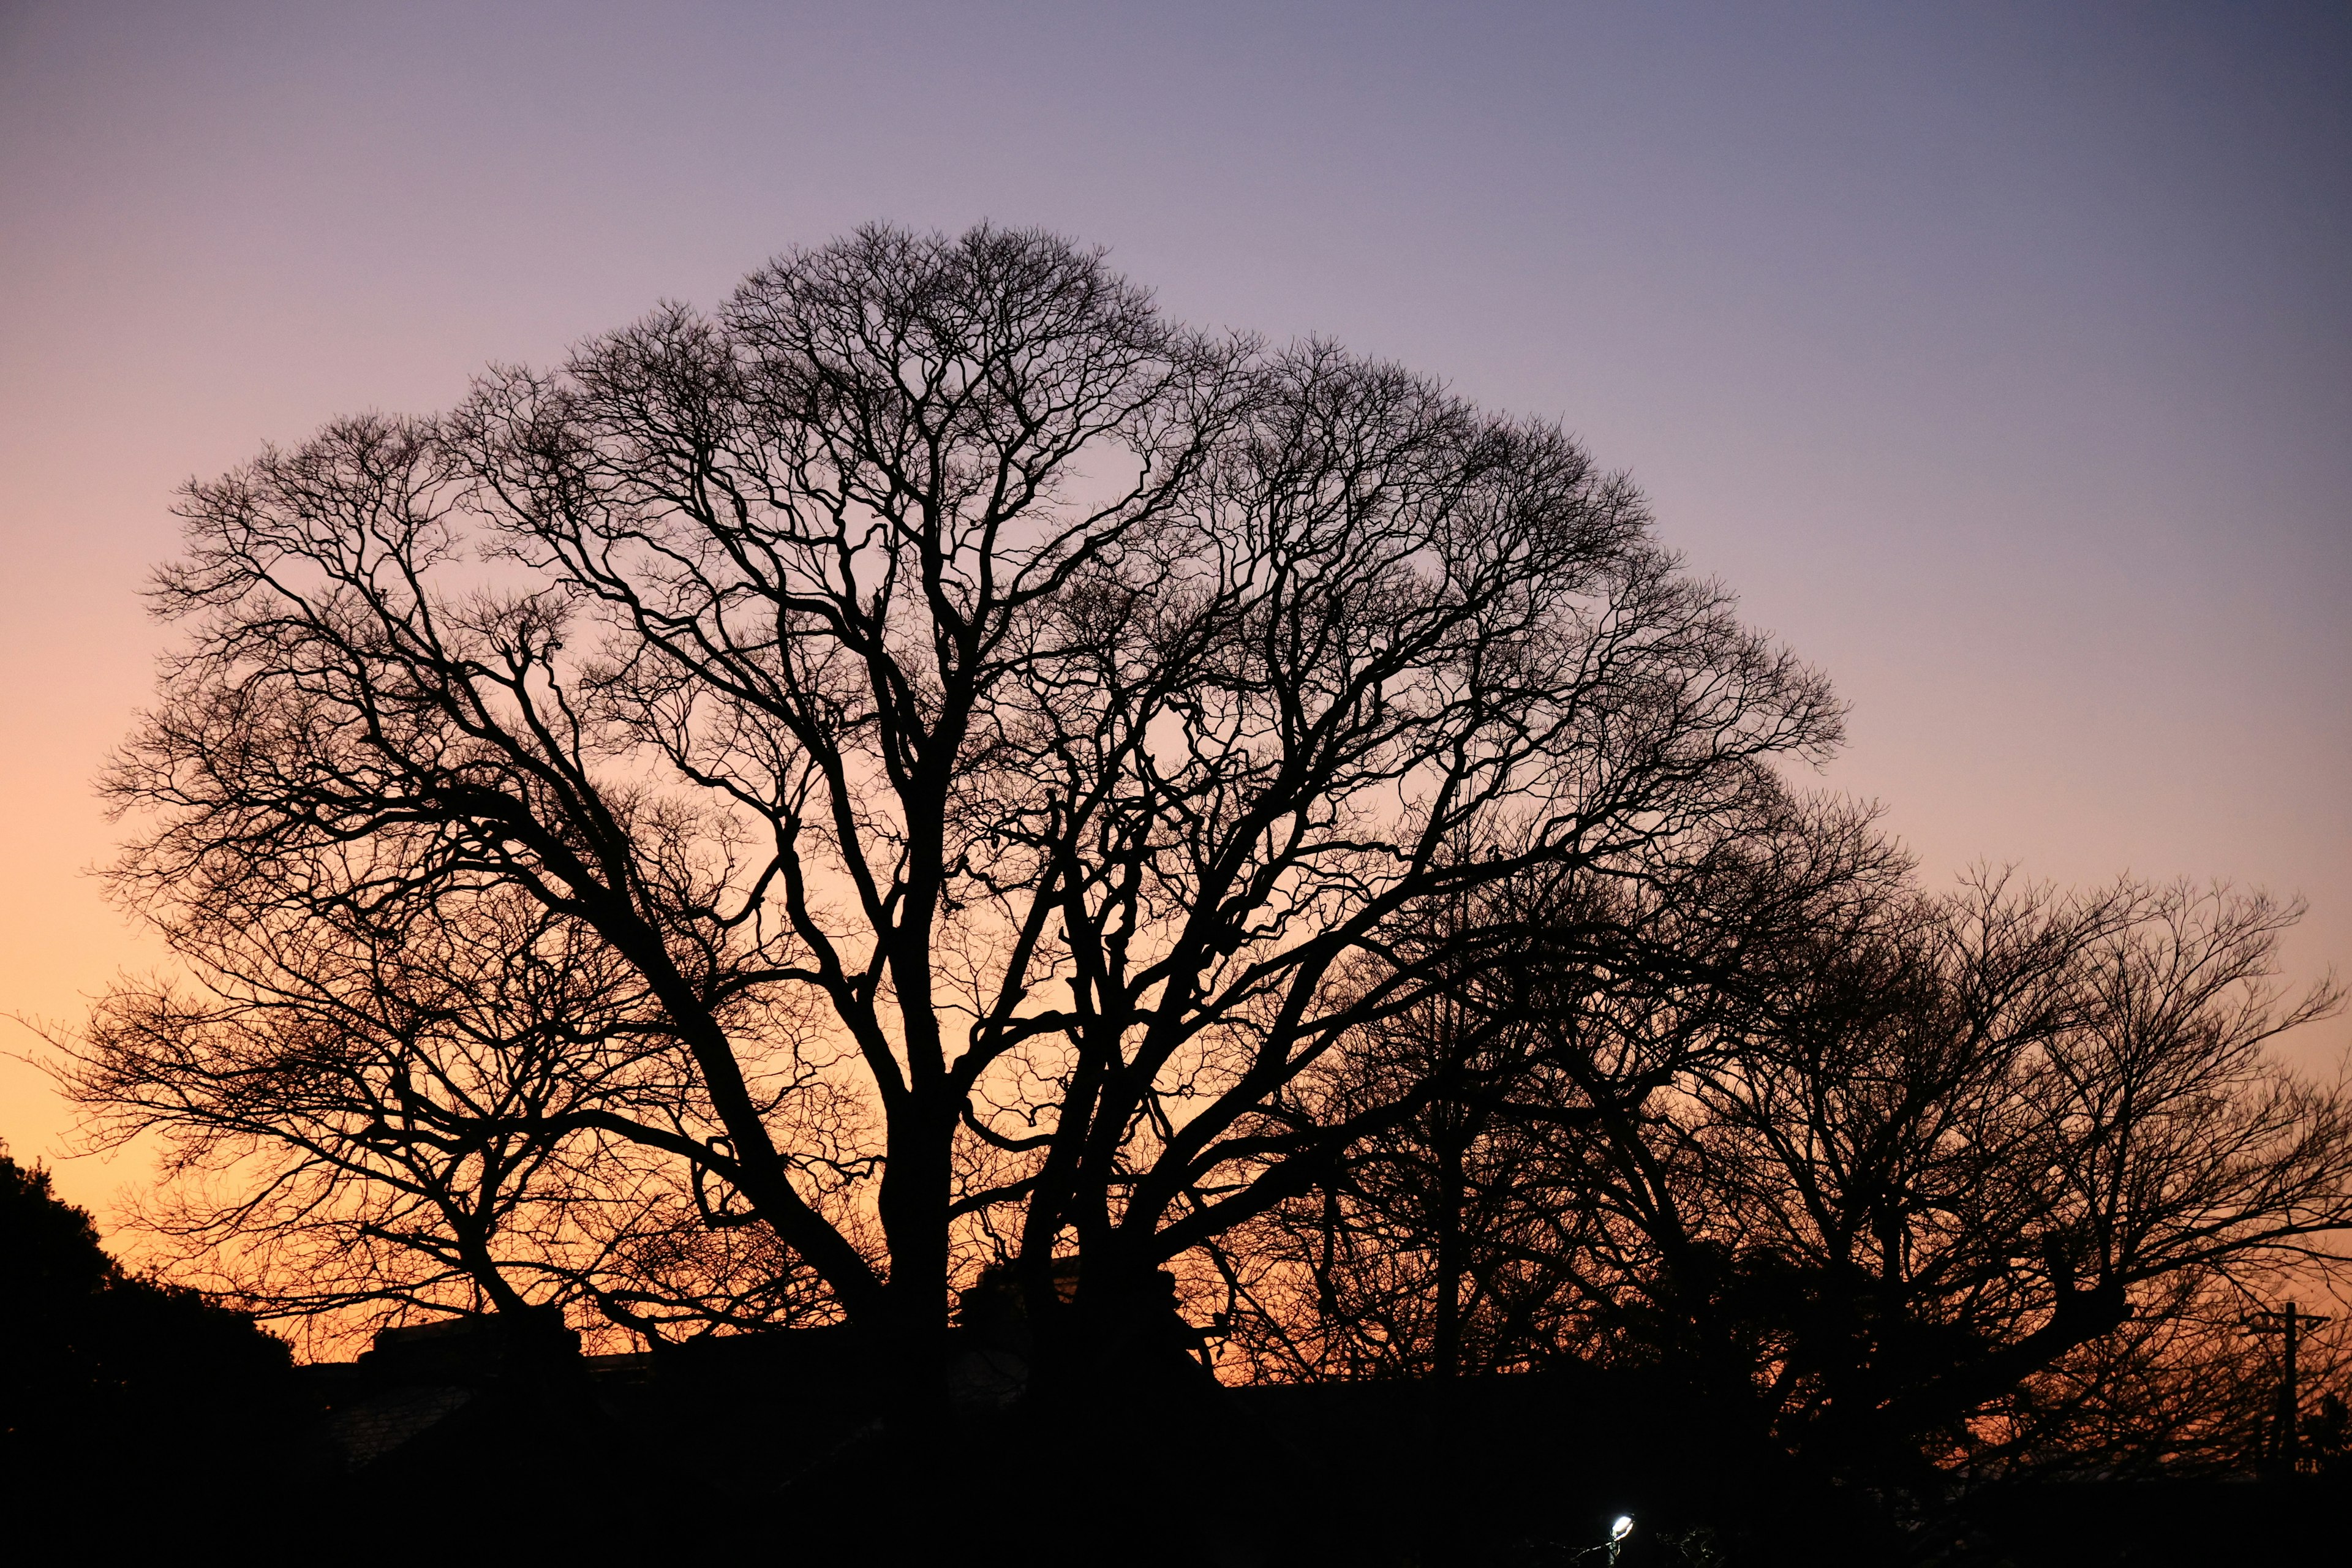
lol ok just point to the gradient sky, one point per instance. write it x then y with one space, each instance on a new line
1999 355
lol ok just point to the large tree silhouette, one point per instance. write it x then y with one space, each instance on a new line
937 678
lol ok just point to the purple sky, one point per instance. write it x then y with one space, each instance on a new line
2000 356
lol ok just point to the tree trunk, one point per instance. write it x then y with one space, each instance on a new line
1448 1357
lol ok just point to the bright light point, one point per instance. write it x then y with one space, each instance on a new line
1621 1527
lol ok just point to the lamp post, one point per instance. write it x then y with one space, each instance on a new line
1619 1528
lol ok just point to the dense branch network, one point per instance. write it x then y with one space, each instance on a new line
935 768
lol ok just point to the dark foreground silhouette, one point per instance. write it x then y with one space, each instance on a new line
527 1442
138 1416
127 1404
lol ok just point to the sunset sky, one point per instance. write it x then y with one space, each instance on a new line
2000 356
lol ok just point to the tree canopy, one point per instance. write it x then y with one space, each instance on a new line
997 741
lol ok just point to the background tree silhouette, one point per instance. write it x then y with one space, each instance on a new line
362 1118
1983 1181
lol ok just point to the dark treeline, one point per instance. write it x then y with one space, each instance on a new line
936 807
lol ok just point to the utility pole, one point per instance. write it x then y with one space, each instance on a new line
2286 1446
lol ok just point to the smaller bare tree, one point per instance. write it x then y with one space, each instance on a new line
1475 1236
1965 1179
387 1109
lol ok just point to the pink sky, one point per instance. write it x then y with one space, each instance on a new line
2001 358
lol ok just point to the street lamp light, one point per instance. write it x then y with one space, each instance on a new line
1619 1528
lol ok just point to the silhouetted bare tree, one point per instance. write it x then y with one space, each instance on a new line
2071 1121
1475 1237
366 1112
1981 1179
1098 726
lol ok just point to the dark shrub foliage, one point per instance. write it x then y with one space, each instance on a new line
125 1402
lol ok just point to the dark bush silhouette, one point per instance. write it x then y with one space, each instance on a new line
124 1399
